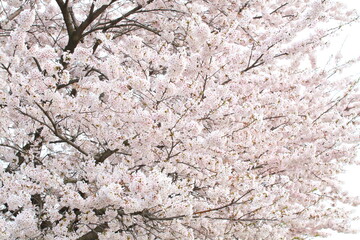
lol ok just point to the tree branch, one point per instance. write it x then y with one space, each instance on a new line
76 35
92 235
225 206
67 18
101 157
57 133
60 86
37 64
53 128
115 21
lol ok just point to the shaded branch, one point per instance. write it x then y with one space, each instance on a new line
339 100
53 128
56 132
93 234
7 68
256 63
74 20
225 206
274 11
60 86
37 64
67 18
277 9
243 219
117 20
98 71
133 24
76 35
12 147
101 157
243 7
13 15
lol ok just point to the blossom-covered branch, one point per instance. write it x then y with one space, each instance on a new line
162 119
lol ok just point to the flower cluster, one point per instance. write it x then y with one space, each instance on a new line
173 120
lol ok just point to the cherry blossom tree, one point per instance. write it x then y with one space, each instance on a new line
173 119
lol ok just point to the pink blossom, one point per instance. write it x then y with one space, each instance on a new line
173 120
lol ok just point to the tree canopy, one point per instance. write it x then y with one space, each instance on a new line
173 119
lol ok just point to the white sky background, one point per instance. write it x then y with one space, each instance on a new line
348 42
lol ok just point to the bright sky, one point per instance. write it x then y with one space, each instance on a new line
350 42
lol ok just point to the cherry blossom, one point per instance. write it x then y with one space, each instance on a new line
166 119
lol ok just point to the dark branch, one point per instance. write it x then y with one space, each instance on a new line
67 18
225 206
37 64
101 157
76 36
60 86
93 234
115 21
53 128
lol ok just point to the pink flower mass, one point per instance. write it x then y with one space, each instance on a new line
174 119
